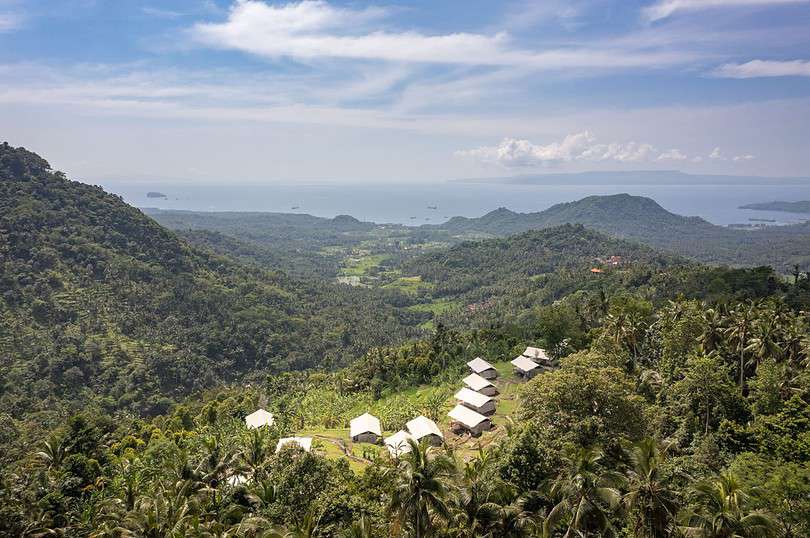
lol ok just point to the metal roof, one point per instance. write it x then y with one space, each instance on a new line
471 397
303 442
476 382
535 353
466 416
422 426
259 418
525 364
397 444
365 423
479 365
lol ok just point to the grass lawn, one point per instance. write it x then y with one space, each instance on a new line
360 266
409 284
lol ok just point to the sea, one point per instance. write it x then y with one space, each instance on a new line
416 204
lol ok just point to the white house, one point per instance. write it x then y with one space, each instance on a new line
479 384
303 442
259 418
365 429
397 444
424 429
536 353
483 368
525 367
476 401
465 418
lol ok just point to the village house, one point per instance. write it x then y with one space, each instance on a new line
479 384
304 443
365 429
483 368
476 401
259 418
424 429
465 419
398 444
525 367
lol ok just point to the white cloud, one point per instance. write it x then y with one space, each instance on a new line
672 155
764 68
582 146
315 29
665 8
161 13
747 157
716 154
9 21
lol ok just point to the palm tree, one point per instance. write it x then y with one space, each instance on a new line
722 512
420 488
712 335
477 503
652 504
53 452
585 496
739 333
253 456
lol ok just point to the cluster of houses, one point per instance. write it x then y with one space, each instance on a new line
475 405
532 362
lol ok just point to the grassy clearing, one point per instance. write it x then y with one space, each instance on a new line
436 307
409 284
360 266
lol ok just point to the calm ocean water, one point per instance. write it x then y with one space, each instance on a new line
412 204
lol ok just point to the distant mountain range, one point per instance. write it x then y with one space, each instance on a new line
637 177
643 220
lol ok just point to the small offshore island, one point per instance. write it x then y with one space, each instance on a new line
788 207
154 194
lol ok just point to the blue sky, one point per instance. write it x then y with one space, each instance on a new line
260 91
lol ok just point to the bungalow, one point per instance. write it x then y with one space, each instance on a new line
525 368
479 384
424 429
365 429
483 368
465 418
398 444
476 401
259 418
536 353
304 443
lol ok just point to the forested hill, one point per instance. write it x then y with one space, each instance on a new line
100 305
642 219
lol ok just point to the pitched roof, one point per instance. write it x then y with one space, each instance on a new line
471 397
525 364
479 365
466 416
365 423
535 353
303 442
476 382
259 418
422 426
397 444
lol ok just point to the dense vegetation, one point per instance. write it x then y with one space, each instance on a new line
130 359
102 306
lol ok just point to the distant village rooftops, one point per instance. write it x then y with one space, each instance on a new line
422 427
535 353
476 382
304 442
483 368
397 444
467 416
472 397
524 364
259 418
365 423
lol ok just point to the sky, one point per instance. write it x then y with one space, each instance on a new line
255 91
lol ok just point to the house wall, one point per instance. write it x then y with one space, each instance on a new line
492 373
489 391
486 409
367 437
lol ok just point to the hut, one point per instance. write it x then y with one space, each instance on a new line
398 444
536 354
483 368
525 368
365 429
465 419
476 401
479 384
304 443
259 418
424 429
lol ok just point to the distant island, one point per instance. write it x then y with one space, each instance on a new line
788 207
154 194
